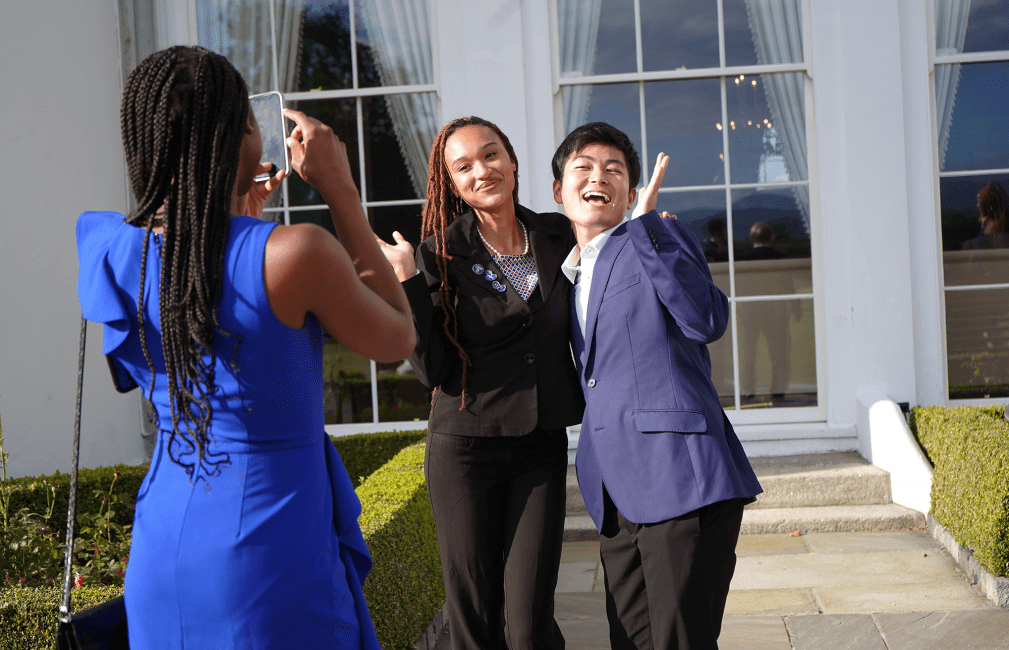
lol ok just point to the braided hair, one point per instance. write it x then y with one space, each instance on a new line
442 207
183 118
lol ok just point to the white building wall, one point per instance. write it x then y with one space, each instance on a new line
61 155
872 140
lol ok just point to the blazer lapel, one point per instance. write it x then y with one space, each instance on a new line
600 277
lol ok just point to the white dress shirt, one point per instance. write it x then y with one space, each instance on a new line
578 267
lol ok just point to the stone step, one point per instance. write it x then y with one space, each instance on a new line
816 519
830 519
832 479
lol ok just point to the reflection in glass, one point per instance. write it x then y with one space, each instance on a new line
977 343
987 26
341 115
404 218
704 213
721 370
764 32
684 120
679 34
325 57
771 245
388 175
615 42
972 111
975 244
767 128
777 355
346 379
616 104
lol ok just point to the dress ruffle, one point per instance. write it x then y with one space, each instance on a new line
107 257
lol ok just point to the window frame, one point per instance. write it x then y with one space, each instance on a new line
738 414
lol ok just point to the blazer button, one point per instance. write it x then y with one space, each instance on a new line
592 383
530 358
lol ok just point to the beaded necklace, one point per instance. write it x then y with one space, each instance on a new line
519 269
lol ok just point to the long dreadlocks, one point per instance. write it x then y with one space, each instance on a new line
183 115
442 207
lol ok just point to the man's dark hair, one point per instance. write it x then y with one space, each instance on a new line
597 133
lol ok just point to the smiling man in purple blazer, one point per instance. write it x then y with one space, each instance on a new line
663 474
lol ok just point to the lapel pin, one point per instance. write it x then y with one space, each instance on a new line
478 268
490 275
498 286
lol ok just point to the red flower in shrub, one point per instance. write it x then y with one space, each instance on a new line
78 581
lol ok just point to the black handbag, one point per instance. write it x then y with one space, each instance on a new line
102 627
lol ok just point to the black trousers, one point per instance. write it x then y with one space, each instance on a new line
499 512
667 582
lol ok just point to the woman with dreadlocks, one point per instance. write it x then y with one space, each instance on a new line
491 310
245 533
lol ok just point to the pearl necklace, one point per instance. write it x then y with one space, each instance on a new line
525 235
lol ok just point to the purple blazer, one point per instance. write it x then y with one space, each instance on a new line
654 431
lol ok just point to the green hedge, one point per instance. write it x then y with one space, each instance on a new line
30 492
28 615
969 448
364 453
404 590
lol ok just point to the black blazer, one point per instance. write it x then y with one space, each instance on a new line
522 373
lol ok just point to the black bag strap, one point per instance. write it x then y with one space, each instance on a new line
68 558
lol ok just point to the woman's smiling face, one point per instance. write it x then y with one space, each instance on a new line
482 171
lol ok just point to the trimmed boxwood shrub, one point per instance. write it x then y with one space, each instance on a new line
363 453
969 448
405 588
28 615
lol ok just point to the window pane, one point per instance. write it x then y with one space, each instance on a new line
241 32
767 128
325 55
404 218
347 384
762 32
721 370
616 104
393 43
387 173
615 41
679 34
972 110
777 356
985 29
683 120
401 398
974 251
977 343
704 214
341 115
771 246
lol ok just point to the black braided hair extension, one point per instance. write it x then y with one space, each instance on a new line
183 117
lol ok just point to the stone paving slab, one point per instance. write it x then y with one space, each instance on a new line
779 602
840 570
582 619
840 632
945 595
964 630
917 539
753 633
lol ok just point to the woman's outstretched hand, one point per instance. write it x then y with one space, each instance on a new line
317 154
649 196
400 256
253 201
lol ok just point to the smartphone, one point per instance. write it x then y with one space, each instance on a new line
268 109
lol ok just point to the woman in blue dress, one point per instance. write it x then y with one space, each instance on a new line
245 534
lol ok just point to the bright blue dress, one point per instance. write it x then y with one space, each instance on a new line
266 552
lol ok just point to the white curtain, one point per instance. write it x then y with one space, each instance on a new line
242 31
950 32
776 27
399 34
579 28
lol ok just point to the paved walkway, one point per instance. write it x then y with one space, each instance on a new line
885 590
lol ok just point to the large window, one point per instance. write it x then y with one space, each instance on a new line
366 69
971 85
721 86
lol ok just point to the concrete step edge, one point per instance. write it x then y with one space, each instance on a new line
830 519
